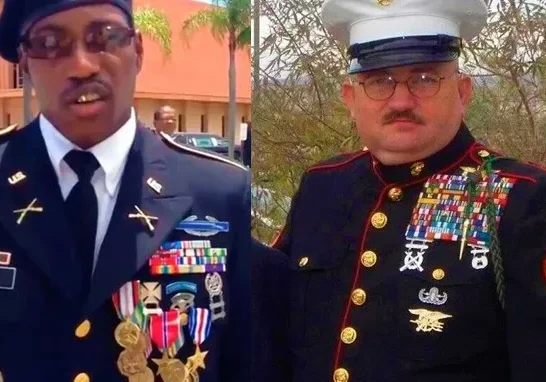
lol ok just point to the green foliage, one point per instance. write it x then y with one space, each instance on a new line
156 26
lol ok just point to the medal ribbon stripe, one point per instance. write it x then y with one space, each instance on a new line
438 214
182 244
200 322
165 328
186 269
126 299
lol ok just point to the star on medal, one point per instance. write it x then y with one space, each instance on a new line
163 363
197 360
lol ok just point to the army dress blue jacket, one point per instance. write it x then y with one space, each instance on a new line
48 333
382 286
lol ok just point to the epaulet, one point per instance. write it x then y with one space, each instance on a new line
339 160
8 130
205 154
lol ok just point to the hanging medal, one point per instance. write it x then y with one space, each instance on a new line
166 333
200 320
129 334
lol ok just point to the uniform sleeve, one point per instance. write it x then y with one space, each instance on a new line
236 343
526 291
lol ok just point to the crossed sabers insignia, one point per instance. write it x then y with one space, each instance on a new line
24 211
146 219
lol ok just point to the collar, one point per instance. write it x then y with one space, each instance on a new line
111 153
422 169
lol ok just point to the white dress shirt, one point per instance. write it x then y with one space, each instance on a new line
112 156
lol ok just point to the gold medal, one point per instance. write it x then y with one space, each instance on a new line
144 343
127 334
131 362
175 371
146 376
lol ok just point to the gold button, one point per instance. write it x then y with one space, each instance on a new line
341 375
483 153
304 261
348 335
83 329
379 220
417 168
395 194
368 259
438 274
358 297
82 377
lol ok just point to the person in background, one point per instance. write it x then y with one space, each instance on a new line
165 120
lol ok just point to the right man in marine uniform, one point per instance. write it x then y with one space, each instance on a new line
420 258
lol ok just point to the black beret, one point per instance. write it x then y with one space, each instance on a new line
20 15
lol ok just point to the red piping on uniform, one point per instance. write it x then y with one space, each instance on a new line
335 165
276 238
363 242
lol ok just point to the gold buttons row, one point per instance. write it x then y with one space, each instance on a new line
358 297
83 329
82 377
379 220
341 375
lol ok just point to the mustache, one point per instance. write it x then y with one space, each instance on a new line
404 114
77 87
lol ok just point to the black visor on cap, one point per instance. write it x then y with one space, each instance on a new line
402 51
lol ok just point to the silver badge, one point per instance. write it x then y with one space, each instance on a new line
412 260
214 285
433 296
479 256
182 301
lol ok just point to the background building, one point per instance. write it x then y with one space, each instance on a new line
193 79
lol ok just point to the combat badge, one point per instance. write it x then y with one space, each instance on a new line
428 321
214 285
204 228
433 296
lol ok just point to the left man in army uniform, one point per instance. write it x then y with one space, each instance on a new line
123 257
421 258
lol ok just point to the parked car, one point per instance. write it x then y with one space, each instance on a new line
207 141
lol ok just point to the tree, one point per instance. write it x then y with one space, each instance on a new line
231 19
150 22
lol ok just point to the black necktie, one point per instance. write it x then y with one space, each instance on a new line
82 210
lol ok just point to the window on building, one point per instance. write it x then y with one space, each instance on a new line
203 128
8 119
243 120
223 126
17 77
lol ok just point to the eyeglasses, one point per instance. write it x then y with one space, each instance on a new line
422 85
52 43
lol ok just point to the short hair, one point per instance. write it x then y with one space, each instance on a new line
159 112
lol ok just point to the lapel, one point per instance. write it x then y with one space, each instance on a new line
129 243
42 235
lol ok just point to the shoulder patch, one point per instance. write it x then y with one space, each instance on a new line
201 153
7 130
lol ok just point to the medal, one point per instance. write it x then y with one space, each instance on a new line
130 334
166 333
146 376
131 362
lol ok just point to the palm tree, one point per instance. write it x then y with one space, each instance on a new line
150 22
231 19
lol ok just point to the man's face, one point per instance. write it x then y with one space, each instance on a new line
166 122
406 127
88 92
